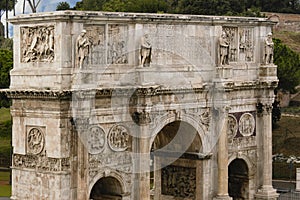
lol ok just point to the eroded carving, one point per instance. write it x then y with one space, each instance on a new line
83 48
232 126
224 49
96 139
35 141
242 142
118 138
37 44
145 51
231 33
246 44
178 181
247 124
269 48
117 44
41 162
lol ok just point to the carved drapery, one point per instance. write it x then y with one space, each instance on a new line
37 44
178 181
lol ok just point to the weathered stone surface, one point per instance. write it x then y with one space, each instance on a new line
95 94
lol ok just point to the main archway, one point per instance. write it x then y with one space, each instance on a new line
107 188
238 183
177 164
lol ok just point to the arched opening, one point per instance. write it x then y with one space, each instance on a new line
238 183
107 188
176 162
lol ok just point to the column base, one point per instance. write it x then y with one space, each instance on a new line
266 193
222 197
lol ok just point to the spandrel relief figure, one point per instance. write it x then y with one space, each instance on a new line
83 46
224 49
145 51
269 48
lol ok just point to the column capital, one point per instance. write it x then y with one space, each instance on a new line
264 109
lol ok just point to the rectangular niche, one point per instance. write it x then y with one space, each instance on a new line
178 181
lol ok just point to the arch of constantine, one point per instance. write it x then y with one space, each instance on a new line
141 106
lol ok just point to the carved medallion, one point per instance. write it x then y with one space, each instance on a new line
96 139
247 124
118 138
232 126
35 141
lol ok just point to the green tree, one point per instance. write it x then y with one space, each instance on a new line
6 64
63 6
95 5
288 63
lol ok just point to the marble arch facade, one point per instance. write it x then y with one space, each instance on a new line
91 90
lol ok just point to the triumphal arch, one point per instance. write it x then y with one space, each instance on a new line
141 106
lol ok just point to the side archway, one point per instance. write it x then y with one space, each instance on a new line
107 188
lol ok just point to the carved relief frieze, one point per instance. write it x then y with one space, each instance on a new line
41 162
247 124
246 44
118 161
96 139
96 36
37 44
117 44
232 38
119 138
35 140
242 142
178 181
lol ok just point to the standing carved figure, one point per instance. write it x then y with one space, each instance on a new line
224 48
269 48
82 48
145 52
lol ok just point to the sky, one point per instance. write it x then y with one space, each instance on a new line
44 6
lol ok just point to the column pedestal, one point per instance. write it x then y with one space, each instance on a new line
266 193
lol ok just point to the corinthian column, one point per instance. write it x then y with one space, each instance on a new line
223 160
264 134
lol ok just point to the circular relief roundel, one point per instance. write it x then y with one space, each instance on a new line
96 139
247 124
35 141
118 138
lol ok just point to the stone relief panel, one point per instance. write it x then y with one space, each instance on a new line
117 44
37 44
119 161
247 124
35 140
242 142
41 162
232 38
96 139
246 44
178 181
118 138
96 35
232 126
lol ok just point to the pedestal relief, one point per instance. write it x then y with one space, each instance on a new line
35 141
118 138
247 124
96 139
178 181
37 44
